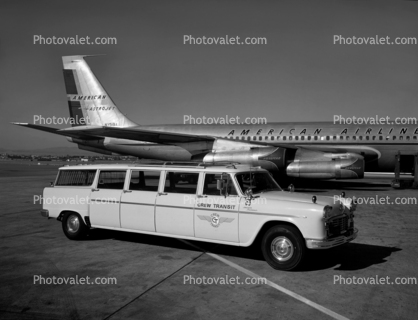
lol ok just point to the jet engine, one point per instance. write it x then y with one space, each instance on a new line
299 163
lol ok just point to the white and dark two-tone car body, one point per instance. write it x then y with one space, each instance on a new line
227 204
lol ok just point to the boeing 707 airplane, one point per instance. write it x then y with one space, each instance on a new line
318 150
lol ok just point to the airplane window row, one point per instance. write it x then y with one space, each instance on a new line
321 138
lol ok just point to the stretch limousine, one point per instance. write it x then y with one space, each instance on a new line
227 204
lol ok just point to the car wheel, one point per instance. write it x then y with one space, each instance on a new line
74 226
283 247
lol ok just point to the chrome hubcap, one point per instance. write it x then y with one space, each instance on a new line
73 224
282 248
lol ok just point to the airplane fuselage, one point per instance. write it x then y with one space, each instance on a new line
377 143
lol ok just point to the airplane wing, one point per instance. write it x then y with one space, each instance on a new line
139 134
55 130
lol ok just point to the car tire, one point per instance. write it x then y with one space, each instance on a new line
283 247
74 226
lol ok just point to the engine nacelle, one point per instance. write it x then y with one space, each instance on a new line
270 158
336 169
315 164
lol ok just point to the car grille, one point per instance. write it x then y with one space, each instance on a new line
338 226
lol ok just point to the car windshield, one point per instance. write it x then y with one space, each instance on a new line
257 181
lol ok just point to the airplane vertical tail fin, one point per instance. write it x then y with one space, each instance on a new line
88 101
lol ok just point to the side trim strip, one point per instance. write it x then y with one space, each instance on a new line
176 207
138 203
270 214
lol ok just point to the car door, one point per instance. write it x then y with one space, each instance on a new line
105 199
175 204
137 211
216 216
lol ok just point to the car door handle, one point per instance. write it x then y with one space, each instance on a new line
162 193
94 189
202 196
127 191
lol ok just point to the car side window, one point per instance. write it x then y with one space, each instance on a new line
210 185
111 180
75 177
181 182
143 180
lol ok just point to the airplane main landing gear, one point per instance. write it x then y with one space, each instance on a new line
399 183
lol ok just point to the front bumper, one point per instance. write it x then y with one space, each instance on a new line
330 243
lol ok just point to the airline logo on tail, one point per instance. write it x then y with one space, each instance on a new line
99 97
87 98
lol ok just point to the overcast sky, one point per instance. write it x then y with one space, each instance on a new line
299 75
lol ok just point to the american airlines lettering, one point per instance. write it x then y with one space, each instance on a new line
317 131
99 97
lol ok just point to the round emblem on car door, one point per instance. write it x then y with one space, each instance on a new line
214 220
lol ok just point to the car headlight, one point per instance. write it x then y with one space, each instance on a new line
327 212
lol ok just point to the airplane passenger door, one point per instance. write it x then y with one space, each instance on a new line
175 204
216 216
138 200
105 199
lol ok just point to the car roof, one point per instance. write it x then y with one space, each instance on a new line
196 167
